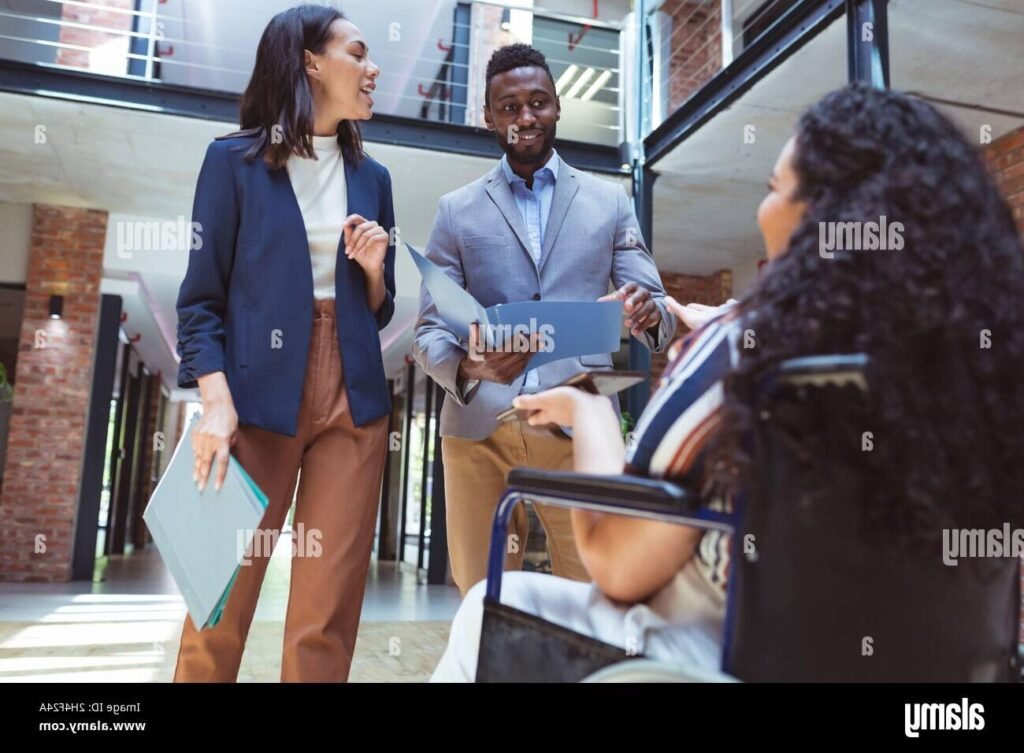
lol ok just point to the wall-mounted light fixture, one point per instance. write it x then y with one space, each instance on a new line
56 306
506 20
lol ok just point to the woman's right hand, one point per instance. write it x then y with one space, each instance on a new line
216 431
695 315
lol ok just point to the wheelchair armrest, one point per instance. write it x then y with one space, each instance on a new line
620 491
621 495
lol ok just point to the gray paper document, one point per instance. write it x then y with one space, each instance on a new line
203 536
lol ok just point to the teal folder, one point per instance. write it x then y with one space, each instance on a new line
576 328
203 536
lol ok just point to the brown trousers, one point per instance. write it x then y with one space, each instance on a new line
475 474
338 495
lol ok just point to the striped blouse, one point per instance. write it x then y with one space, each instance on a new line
672 434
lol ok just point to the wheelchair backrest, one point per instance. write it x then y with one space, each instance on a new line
819 596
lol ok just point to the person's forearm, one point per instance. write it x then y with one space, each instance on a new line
214 389
597 439
598 449
376 291
628 558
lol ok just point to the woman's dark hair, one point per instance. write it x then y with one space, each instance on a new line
278 93
942 319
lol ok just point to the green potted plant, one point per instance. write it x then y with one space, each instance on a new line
626 425
6 388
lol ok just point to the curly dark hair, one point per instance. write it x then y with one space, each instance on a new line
947 412
514 56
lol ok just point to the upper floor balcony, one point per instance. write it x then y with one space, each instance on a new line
433 53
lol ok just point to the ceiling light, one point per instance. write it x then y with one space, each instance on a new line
565 78
580 83
596 86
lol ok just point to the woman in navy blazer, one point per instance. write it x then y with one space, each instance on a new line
290 380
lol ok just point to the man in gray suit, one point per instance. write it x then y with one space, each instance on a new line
533 228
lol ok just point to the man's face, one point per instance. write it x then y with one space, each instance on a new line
522 112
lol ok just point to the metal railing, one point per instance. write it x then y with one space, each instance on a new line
691 41
432 53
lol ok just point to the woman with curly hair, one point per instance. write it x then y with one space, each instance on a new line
942 320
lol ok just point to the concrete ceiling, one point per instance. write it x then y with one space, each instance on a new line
710 185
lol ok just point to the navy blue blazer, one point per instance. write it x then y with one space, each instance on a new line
245 306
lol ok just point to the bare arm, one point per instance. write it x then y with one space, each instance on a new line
630 559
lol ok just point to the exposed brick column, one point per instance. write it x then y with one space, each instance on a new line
712 290
695 53
112 27
1005 157
46 444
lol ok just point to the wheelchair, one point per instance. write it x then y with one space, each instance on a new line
817 598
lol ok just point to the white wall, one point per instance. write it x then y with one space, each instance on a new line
16 221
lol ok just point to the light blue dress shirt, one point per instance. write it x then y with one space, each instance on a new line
535 208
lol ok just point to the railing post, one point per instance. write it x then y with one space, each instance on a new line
643 195
867 38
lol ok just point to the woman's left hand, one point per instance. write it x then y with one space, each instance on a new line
366 243
555 406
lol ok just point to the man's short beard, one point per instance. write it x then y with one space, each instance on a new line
508 147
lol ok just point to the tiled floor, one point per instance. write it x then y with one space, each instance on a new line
126 628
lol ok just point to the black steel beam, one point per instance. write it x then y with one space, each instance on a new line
437 568
428 416
144 458
639 356
170 99
117 442
789 33
410 398
867 39
91 488
120 499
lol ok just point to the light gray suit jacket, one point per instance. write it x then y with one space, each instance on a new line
480 240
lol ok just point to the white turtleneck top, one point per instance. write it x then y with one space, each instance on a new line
319 186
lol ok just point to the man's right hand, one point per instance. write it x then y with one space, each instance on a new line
216 431
502 366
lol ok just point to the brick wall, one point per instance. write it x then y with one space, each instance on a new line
39 499
486 36
111 20
696 46
1006 158
712 290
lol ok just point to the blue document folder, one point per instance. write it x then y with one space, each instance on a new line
203 536
570 328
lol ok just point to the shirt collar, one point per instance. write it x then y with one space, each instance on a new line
551 166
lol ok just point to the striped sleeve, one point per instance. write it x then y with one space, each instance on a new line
674 429
673 433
